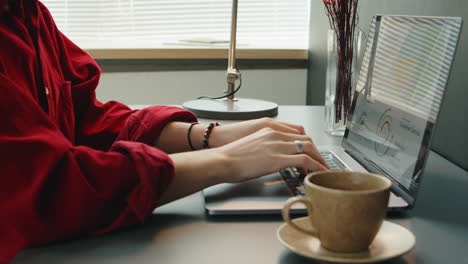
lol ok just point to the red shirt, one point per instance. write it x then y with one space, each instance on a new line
69 165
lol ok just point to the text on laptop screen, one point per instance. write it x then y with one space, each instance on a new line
398 94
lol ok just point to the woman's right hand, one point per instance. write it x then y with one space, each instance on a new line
260 153
267 151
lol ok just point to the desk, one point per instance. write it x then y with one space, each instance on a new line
180 232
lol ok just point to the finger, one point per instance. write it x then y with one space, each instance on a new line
303 171
302 161
312 149
290 138
308 148
285 137
287 128
320 159
298 128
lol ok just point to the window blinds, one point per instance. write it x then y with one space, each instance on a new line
261 23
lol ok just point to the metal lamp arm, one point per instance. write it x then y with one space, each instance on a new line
233 73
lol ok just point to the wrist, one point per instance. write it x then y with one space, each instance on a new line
194 171
189 135
196 136
216 137
220 166
204 168
207 134
203 137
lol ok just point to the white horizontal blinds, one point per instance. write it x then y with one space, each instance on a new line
282 21
260 22
413 61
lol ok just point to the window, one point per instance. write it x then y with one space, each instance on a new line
149 23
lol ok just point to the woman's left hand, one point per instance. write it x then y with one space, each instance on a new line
226 134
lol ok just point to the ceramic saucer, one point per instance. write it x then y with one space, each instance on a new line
391 241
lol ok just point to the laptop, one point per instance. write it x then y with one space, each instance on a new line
396 102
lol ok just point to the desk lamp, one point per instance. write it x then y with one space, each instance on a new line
227 106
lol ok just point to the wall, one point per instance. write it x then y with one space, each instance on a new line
450 138
176 81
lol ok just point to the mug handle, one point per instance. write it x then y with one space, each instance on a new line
286 214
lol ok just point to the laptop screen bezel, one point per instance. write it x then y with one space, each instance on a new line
398 188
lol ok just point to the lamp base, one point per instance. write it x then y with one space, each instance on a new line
238 109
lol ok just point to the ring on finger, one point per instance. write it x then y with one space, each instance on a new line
299 146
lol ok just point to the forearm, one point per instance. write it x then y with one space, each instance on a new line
264 152
260 153
195 171
174 137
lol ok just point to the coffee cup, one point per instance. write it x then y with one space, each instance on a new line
345 209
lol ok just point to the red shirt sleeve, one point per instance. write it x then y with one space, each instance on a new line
85 167
52 189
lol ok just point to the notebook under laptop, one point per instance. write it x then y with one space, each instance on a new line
399 90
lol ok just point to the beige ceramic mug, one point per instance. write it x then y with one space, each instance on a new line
346 209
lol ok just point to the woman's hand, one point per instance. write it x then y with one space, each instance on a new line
267 151
226 134
239 136
260 153
174 138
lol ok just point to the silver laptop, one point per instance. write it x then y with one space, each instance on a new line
399 90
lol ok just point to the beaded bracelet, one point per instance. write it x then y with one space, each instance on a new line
208 133
188 135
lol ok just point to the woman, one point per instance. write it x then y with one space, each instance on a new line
70 165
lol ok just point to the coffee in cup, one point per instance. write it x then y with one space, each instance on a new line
346 209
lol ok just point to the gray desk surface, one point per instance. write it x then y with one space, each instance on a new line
180 232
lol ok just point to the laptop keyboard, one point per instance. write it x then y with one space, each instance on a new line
333 162
294 179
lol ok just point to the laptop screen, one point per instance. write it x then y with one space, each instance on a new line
398 95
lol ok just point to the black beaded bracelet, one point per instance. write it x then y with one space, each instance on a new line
188 136
208 133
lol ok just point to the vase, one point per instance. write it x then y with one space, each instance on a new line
335 123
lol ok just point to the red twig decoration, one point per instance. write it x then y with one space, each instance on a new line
342 15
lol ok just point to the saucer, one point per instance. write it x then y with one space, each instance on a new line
391 241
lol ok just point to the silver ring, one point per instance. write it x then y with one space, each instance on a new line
299 146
